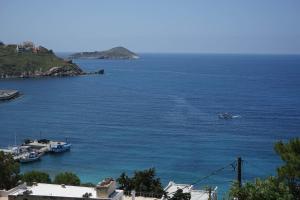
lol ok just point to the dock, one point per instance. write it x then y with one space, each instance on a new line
8 94
39 147
42 146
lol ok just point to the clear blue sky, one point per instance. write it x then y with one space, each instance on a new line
197 26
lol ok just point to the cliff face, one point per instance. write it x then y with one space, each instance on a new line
114 53
21 61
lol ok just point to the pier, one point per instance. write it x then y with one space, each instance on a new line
8 94
36 148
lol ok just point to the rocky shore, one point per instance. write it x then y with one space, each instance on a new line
29 61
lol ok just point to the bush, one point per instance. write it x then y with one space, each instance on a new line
268 189
88 184
142 181
9 171
179 195
67 178
36 176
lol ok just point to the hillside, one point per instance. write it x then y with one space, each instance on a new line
114 53
26 60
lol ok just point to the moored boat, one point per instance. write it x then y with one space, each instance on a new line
29 157
58 148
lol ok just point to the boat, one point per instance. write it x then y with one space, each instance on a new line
228 116
29 157
58 148
225 115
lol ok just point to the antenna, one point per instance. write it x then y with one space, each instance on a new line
15 139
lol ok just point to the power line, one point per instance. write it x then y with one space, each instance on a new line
232 164
215 172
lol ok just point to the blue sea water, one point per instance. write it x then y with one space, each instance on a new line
161 111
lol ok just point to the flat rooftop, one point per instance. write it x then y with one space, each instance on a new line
43 189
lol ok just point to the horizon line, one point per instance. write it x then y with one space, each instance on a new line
200 53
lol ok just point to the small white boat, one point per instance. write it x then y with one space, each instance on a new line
58 148
225 116
29 157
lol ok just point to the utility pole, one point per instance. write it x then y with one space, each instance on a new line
239 171
209 193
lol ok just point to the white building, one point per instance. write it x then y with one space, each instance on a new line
172 187
106 190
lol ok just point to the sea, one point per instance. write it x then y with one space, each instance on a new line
161 111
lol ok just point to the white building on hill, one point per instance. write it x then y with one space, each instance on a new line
172 187
106 190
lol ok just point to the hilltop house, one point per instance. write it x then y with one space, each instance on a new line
27 47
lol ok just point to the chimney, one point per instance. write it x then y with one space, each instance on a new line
133 194
105 188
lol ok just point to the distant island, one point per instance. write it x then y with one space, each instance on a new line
114 53
27 60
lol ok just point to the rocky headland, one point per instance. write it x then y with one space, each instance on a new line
114 53
27 61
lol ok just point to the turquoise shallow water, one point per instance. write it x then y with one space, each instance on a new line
161 111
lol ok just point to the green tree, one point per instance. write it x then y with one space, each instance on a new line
290 170
36 176
125 183
67 178
142 181
9 171
146 181
179 195
268 189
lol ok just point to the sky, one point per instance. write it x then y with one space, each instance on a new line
156 26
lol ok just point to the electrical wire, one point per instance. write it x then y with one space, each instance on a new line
232 164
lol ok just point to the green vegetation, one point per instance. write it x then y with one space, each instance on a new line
32 62
284 186
179 195
88 184
36 176
10 175
142 182
67 178
114 53
9 171
290 171
268 189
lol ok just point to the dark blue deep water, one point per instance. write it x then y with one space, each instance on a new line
161 111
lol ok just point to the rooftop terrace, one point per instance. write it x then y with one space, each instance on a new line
42 189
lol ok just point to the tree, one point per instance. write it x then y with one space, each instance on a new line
284 186
290 171
179 195
124 182
67 178
268 189
36 176
142 181
145 181
9 171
